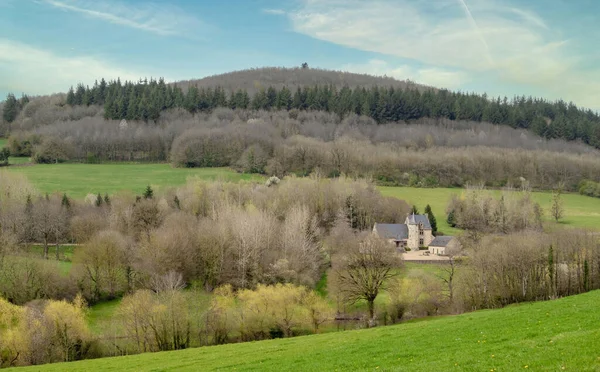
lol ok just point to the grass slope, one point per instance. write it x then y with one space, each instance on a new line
78 180
555 335
580 211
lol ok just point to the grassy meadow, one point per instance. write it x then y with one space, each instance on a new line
550 336
580 211
78 180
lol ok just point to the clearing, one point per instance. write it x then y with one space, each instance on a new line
580 211
553 335
78 180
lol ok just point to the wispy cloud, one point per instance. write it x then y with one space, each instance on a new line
24 68
274 11
488 40
156 18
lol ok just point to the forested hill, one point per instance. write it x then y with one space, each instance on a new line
383 99
252 80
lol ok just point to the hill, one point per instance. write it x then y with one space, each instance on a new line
278 77
554 335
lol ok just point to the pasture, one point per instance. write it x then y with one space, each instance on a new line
552 335
78 180
580 211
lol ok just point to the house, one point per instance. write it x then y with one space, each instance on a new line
414 233
441 245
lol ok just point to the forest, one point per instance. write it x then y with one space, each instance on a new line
145 101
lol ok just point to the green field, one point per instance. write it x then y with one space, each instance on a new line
78 180
550 336
580 211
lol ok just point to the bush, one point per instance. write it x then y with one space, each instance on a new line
53 150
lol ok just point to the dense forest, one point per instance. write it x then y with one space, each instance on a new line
145 100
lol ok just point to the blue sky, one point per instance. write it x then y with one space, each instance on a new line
543 48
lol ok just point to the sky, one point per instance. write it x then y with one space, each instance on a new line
543 48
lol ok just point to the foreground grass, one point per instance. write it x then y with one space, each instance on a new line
555 335
78 180
580 211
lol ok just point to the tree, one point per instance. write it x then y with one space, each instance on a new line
557 209
365 268
432 220
99 200
451 220
304 66
414 210
148 193
11 108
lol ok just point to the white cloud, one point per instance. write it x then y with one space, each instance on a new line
156 18
432 76
37 71
274 11
498 43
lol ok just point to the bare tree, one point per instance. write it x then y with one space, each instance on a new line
556 208
366 267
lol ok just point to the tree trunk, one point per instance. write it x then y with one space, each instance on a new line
371 304
45 248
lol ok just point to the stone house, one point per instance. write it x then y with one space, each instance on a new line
442 244
414 233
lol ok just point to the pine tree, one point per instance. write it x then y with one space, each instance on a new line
148 193
451 219
106 200
71 97
65 202
414 210
11 108
99 200
176 202
432 220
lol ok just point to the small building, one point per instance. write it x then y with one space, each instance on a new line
441 245
414 233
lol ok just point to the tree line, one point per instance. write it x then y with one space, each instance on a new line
145 100
432 153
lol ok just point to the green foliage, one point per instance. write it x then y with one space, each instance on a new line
557 335
589 188
414 210
11 108
431 218
148 193
145 100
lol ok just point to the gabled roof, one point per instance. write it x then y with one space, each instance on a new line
392 231
415 219
441 241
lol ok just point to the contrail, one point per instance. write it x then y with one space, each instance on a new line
488 55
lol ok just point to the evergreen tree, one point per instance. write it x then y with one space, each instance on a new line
414 210
176 202
71 97
99 200
106 200
65 202
11 108
432 220
451 219
148 193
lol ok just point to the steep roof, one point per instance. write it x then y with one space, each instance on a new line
392 231
441 241
414 219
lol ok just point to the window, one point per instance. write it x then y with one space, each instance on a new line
421 242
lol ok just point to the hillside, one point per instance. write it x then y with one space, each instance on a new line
278 77
553 335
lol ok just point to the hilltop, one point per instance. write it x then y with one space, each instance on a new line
553 335
278 77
